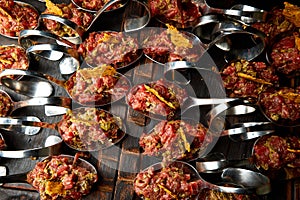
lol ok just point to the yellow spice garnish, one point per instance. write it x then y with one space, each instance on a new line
106 37
104 70
54 188
158 96
177 38
251 78
185 142
297 42
52 8
292 13
167 191
5 13
291 96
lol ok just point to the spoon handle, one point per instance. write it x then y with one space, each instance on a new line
39 101
248 130
20 122
100 11
192 101
15 178
54 149
38 86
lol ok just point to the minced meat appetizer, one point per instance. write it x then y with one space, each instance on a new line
247 78
16 16
90 129
170 44
275 152
57 177
97 86
285 54
112 48
171 182
159 99
283 103
176 140
181 14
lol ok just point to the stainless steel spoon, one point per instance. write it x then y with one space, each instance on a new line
71 160
85 129
11 106
52 146
27 130
245 13
239 181
78 30
117 88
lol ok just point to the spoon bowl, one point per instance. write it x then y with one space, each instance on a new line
48 168
79 32
85 129
169 99
16 22
11 106
97 86
235 182
245 13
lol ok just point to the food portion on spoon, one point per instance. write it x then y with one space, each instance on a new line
181 14
68 11
97 86
176 140
160 99
58 177
166 45
13 57
247 79
90 129
17 16
110 47
281 105
274 152
177 180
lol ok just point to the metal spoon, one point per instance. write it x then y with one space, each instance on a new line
27 130
185 102
263 159
78 30
52 146
11 106
90 96
264 108
246 13
137 16
71 160
240 181
85 129
215 30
